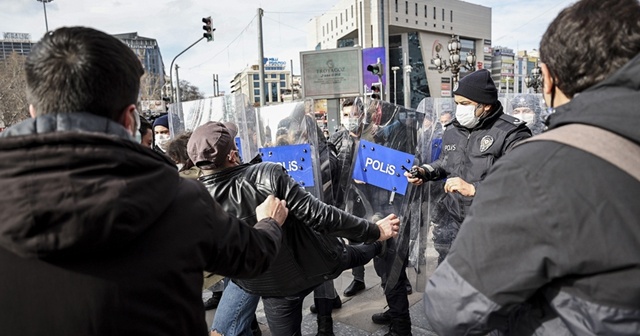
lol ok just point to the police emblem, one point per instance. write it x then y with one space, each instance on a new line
485 143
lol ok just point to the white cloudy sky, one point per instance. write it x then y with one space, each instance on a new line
176 24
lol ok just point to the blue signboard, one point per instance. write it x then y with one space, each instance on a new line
382 166
296 159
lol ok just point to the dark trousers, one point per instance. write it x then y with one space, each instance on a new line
284 314
396 297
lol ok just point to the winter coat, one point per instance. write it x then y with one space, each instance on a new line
100 236
310 252
470 153
552 243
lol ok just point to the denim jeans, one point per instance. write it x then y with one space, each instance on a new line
235 311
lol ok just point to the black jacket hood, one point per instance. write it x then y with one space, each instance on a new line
611 104
76 182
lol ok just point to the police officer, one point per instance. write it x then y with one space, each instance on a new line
479 135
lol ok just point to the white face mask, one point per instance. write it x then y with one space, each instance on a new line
161 141
528 118
466 115
351 124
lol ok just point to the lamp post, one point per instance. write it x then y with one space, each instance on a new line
535 79
395 87
454 63
44 2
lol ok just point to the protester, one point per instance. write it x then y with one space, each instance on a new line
479 135
98 235
309 256
161 133
146 133
177 151
551 245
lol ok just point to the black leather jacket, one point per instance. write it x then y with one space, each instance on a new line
310 253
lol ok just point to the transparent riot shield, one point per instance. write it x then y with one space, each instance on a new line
288 135
228 108
379 149
438 113
530 108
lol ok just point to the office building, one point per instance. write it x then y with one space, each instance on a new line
412 33
19 43
279 86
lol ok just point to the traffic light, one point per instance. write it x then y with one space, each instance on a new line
376 68
208 29
375 90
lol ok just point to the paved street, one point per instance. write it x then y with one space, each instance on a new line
354 318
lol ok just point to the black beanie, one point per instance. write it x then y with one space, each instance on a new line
477 86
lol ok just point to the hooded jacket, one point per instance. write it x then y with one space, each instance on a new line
552 243
100 236
310 252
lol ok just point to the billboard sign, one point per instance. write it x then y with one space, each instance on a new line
333 73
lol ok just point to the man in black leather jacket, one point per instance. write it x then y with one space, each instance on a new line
310 254
480 134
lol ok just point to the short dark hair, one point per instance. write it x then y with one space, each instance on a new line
177 148
145 126
590 40
79 69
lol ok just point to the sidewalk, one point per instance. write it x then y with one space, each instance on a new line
354 318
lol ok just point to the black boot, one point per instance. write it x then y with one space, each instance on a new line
400 327
325 326
337 304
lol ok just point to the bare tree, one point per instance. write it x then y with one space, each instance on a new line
189 91
151 87
13 96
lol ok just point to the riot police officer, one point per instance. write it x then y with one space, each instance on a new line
479 135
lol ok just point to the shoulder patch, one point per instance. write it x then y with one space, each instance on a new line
511 119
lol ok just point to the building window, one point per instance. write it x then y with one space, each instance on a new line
256 99
434 13
256 92
340 19
256 84
282 76
396 6
443 14
274 76
406 8
352 11
416 9
425 11
451 16
283 84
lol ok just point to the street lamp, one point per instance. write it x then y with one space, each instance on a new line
395 87
44 2
454 63
535 79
